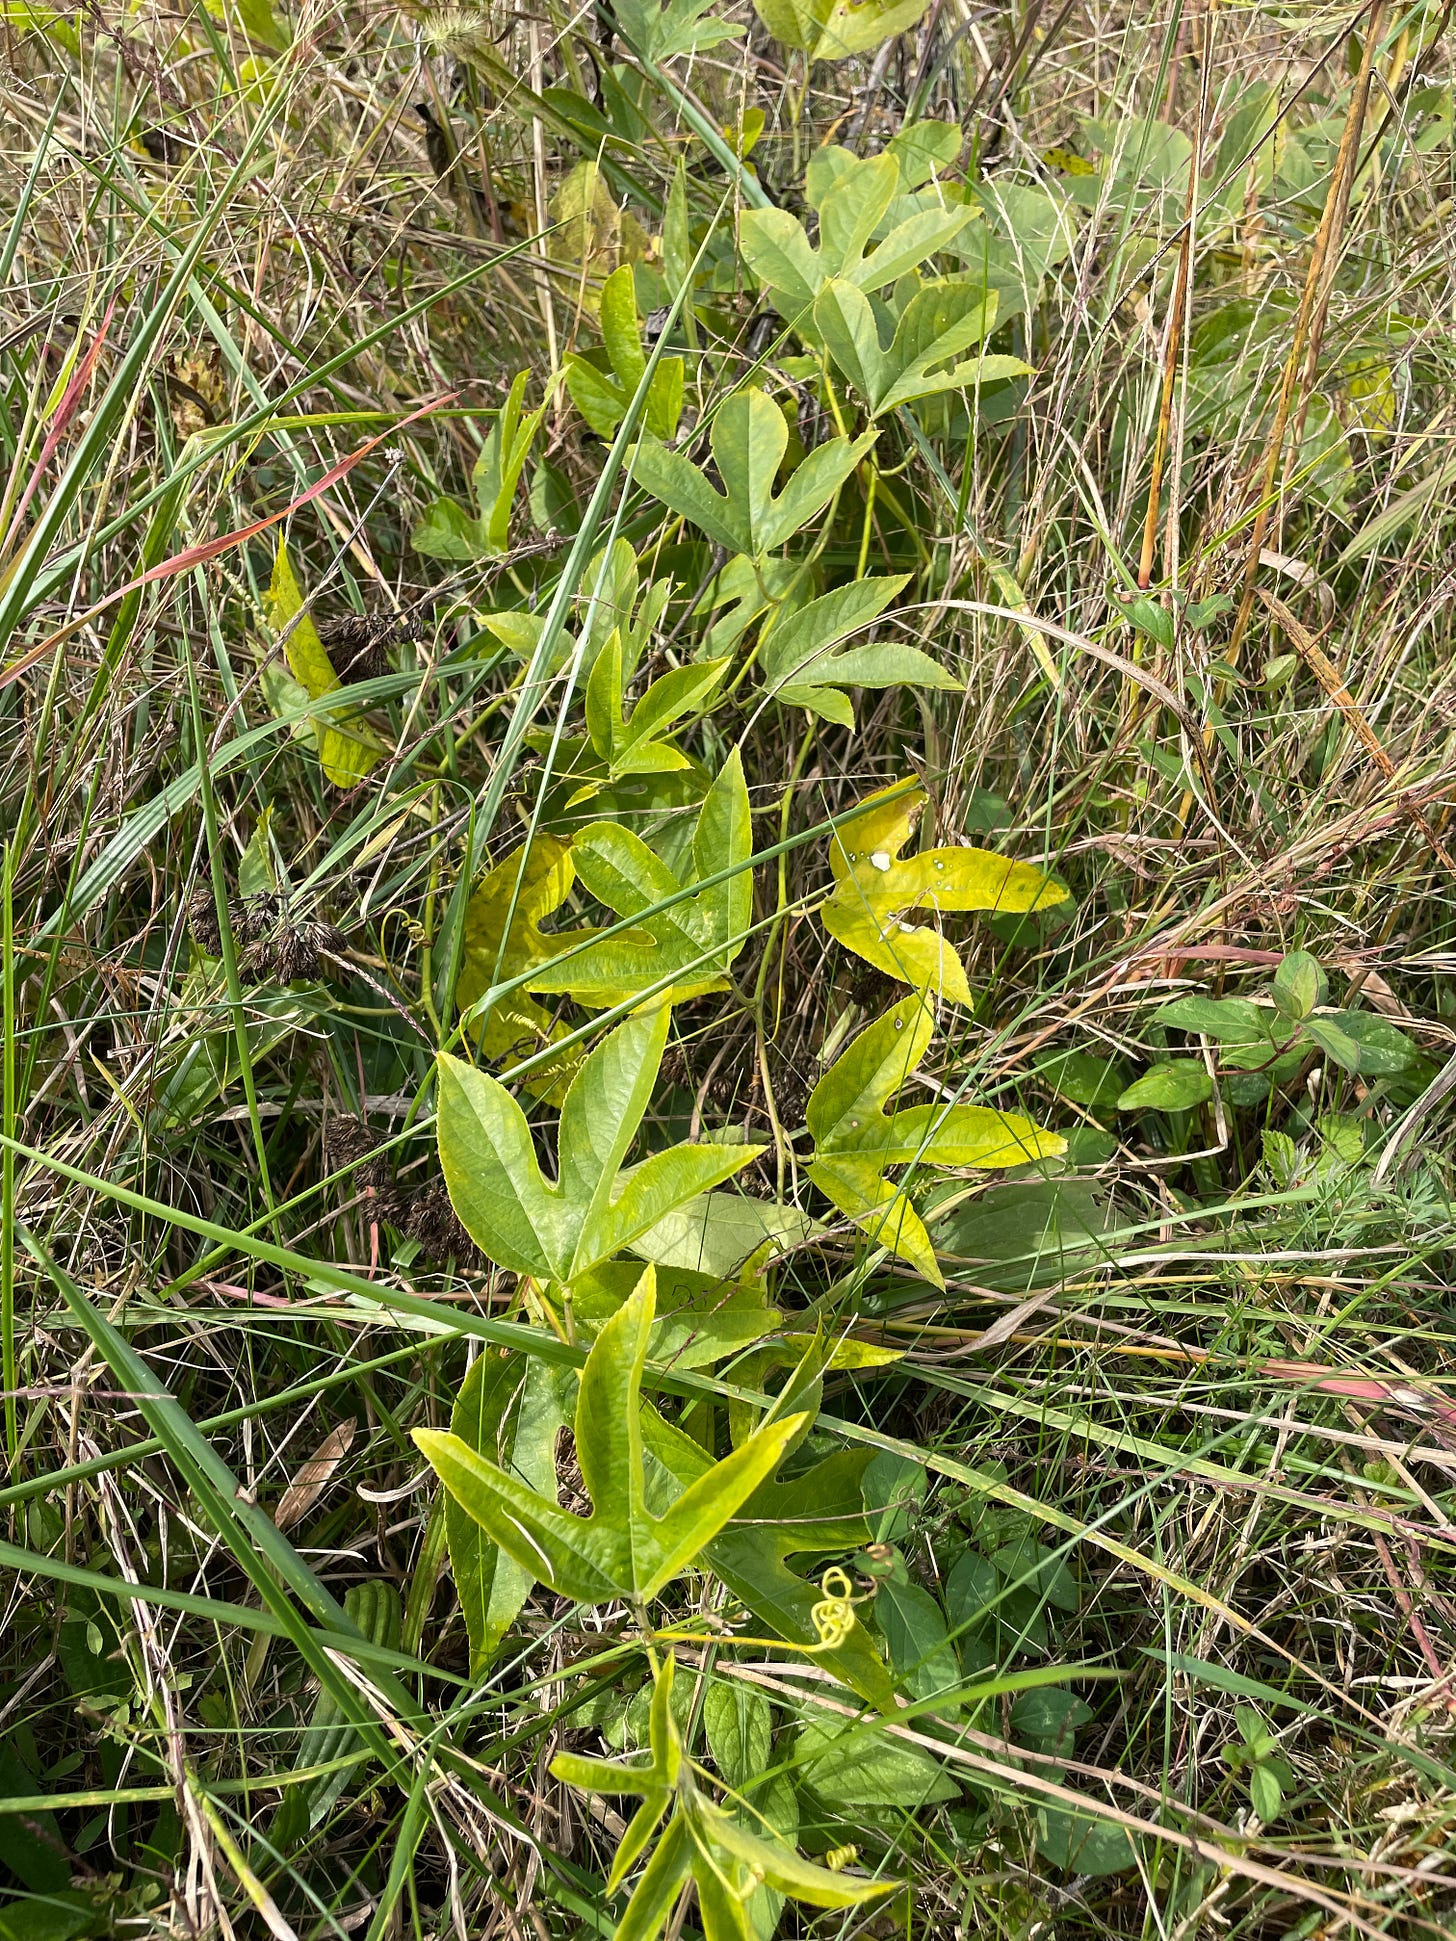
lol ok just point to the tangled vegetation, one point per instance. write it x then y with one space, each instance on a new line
726 752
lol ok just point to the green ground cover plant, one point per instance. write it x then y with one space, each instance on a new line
726 944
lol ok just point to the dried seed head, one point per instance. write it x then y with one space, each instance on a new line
348 1142
202 922
301 948
356 643
254 918
432 1221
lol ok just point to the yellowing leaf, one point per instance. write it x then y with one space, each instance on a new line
347 754
501 942
874 888
832 30
856 1139
588 236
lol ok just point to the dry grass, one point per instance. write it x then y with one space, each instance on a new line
1231 1411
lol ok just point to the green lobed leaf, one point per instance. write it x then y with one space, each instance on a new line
621 1549
749 438
697 936
856 1138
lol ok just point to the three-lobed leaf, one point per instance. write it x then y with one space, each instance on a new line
553 1230
806 665
939 322
856 1139
777 249
603 400
621 1549
726 1861
875 888
748 438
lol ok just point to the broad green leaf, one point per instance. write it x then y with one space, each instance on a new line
1232 1020
1176 1086
1299 985
348 750
509 1409
638 745
715 1233
1266 1796
537 880
554 1231
749 438
23 15
874 889
692 941
819 1514
802 667
445 530
833 30
661 33
1049 1575
1335 1042
1382 1049
699 1320
925 149
739 1726
603 400
851 212
1082 1843
850 1765
502 459
914 1629
656 1893
621 1549
856 1139
1024 1234
729 1862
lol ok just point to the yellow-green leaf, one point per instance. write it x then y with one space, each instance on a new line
501 942
347 753
874 888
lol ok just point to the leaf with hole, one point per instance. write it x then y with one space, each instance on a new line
874 890
748 438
